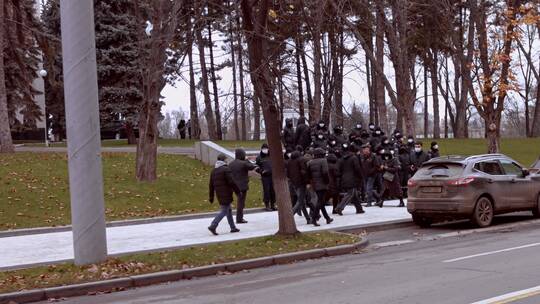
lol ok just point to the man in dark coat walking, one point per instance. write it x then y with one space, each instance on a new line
317 170
182 129
350 177
222 184
391 187
370 168
297 174
418 157
240 168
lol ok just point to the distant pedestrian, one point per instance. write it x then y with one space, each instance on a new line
404 158
223 185
370 168
303 133
182 129
189 128
319 180
240 168
333 187
264 168
288 135
350 179
297 174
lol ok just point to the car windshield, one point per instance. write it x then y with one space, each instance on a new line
441 170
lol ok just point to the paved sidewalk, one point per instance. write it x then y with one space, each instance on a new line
18 251
161 150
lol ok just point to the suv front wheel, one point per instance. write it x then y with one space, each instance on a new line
483 212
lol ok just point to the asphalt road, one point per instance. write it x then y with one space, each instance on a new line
431 266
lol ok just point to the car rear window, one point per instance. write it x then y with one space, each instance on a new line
440 170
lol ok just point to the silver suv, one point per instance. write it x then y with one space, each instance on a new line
476 187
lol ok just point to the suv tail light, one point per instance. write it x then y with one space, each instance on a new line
461 181
411 183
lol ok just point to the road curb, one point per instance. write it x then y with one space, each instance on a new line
372 227
142 221
175 275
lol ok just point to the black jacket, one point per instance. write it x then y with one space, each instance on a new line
297 169
333 173
418 159
264 165
318 174
349 171
240 168
222 184
371 165
303 135
289 138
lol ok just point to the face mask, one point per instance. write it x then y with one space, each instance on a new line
321 137
289 155
436 147
321 125
398 135
387 157
359 126
371 127
264 151
345 147
417 150
333 142
386 142
382 152
378 132
410 141
392 152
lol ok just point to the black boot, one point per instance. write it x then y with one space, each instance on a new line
401 203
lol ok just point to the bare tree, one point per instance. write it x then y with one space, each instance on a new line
6 143
255 25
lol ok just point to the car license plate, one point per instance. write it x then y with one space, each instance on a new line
432 189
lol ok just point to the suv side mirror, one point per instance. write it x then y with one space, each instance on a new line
525 172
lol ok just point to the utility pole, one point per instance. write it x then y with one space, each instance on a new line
83 131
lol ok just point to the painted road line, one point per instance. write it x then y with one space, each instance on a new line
512 297
491 252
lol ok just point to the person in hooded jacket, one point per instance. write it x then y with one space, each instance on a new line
349 179
240 168
391 188
222 185
410 143
264 168
303 134
333 188
434 151
288 136
317 170
321 127
371 127
297 175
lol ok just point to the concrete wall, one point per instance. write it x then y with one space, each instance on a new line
207 152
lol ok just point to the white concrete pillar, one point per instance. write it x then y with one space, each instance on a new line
83 131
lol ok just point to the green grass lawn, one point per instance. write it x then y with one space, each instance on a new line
134 264
524 150
230 144
34 189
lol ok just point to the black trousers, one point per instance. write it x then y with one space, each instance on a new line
240 206
320 207
269 196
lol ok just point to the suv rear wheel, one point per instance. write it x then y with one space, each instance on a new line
536 211
483 212
422 221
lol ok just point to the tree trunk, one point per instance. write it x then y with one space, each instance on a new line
235 91
315 110
535 129
306 76
209 115
338 100
379 81
426 113
435 92
219 131
297 54
241 79
373 117
261 79
492 133
130 134
193 108
256 117
6 142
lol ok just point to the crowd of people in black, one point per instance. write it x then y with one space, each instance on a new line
364 168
